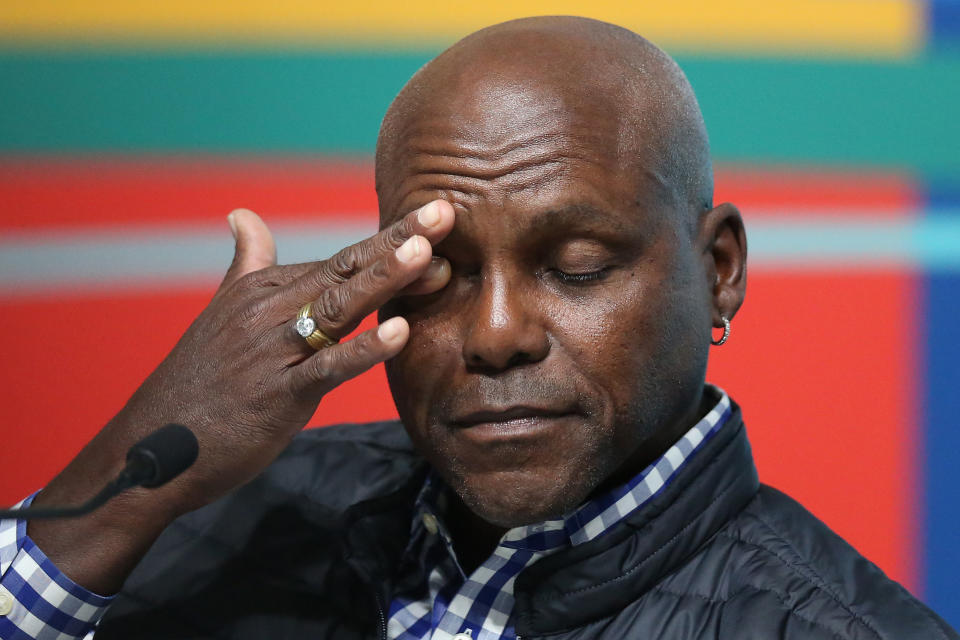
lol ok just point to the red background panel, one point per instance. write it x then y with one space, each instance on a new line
821 363
57 393
773 190
66 193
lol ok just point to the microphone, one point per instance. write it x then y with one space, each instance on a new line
155 460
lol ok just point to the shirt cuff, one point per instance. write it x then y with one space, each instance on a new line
37 599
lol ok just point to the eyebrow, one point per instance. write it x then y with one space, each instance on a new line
578 215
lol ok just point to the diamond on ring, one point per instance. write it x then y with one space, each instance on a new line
306 326
309 331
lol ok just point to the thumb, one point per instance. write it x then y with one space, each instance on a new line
255 248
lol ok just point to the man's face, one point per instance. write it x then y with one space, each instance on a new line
573 329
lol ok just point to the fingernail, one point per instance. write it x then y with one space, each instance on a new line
409 250
233 224
389 330
436 267
429 215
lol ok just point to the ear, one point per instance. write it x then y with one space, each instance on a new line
724 251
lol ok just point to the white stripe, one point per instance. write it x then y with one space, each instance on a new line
654 481
622 507
674 456
29 263
593 528
58 596
26 566
483 574
89 613
694 437
8 541
44 260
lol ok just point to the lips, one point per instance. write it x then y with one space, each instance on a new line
510 414
516 421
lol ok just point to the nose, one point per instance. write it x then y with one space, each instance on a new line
506 328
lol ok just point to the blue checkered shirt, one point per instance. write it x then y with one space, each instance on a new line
452 605
38 602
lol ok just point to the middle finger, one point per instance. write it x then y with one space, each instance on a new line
339 309
433 222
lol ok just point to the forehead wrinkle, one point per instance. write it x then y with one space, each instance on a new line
472 186
447 134
434 152
473 168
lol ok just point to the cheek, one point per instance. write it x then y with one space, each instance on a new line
603 335
416 373
633 348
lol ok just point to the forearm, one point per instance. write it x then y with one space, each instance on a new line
99 550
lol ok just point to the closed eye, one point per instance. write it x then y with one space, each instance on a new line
581 278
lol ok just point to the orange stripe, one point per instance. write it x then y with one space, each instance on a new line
877 27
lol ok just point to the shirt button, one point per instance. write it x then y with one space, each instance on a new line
464 635
430 522
6 602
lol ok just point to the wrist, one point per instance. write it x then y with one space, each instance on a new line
99 549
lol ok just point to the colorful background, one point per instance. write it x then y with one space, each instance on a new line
128 130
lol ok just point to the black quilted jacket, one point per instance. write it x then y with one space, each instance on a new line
308 549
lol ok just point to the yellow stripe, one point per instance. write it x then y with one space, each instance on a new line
819 27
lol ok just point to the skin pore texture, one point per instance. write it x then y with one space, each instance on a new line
588 265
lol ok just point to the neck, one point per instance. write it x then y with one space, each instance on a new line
474 539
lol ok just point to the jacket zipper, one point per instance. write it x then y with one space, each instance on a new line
383 621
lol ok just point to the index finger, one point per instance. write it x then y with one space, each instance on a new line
433 221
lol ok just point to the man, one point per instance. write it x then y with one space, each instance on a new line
546 317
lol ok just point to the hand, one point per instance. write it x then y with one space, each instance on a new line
243 380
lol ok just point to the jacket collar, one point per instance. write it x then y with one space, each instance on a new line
598 578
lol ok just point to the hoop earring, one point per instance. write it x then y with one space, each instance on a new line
726 333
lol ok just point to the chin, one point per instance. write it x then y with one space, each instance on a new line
514 499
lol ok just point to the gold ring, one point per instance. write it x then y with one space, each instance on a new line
307 327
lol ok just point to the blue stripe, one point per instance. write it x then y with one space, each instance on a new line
9 632
942 413
943 194
943 16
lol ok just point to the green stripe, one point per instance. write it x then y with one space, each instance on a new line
888 114
197 102
900 115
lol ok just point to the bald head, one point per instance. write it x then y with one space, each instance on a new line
499 87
